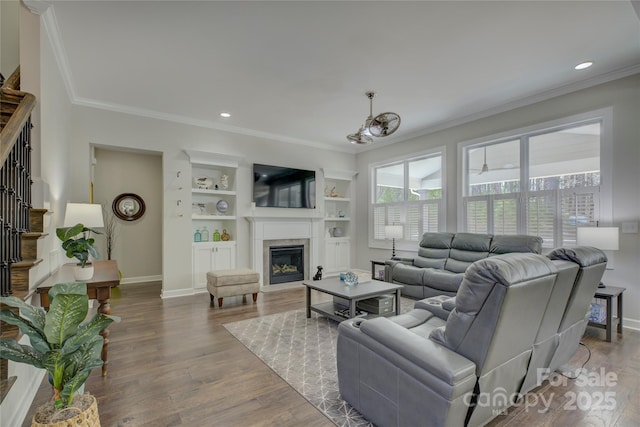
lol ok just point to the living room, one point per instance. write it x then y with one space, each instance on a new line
70 128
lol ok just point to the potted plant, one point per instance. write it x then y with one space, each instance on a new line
63 344
78 243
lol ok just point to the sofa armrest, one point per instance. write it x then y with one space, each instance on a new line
435 358
390 263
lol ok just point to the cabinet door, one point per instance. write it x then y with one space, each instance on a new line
343 255
202 263
224 257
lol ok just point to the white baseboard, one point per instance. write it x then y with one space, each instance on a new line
181 293
631 324
140 279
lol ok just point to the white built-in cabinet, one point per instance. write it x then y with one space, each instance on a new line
211 256
337 222
213 213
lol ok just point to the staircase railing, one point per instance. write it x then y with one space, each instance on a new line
15 173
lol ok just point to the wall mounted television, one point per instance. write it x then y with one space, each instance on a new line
283 187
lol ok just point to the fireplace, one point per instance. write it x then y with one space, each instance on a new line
287 264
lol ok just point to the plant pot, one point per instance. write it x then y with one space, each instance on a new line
82 274
78 418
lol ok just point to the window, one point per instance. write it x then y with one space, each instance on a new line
408 192
543 182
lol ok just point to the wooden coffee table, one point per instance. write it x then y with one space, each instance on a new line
334 286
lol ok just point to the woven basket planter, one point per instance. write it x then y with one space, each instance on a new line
87 418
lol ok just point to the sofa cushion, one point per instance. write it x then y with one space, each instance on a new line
520 243
408 274
467 248
442 280
423 262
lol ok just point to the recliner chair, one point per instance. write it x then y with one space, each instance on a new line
418 369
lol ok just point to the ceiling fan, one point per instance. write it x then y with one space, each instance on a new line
485 165
384 124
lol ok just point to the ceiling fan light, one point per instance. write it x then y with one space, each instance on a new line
359 138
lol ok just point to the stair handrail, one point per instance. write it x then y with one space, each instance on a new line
10 133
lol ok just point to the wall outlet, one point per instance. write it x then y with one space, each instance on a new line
630 227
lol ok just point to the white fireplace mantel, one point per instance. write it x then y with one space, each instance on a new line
282 228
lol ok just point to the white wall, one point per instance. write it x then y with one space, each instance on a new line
51 134
9 36
110 129
622 95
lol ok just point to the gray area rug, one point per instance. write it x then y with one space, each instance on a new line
303 352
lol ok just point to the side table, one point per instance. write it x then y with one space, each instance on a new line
608 293
374 276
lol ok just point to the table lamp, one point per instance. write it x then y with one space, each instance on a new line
87 214
603 238
393 232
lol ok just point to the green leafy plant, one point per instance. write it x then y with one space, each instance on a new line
62 342
77 242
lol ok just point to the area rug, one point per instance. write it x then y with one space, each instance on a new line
303 352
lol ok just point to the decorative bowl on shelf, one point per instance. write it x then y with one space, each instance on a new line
350 279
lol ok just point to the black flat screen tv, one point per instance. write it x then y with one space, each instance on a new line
283 187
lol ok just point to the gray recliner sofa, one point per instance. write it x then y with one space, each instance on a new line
444 257
514 314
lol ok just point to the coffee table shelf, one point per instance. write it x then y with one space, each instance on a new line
353 294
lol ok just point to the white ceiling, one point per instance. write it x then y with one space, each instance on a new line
298 70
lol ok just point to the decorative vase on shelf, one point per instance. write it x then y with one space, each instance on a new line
225 236
216 236
204 234
197 237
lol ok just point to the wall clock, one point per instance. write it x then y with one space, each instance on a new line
128 207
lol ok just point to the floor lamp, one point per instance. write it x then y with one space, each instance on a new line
393 232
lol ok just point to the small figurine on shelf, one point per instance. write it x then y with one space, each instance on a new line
203 183
225 236
224 182
318 275
197 237
216 236
334 193
204 234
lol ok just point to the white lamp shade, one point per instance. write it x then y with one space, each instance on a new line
604 238
87 214
393 232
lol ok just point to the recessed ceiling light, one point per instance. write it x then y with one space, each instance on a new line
583 65
225 115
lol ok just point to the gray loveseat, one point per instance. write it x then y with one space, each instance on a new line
515 315
444 257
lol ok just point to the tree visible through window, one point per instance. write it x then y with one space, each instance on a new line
554 191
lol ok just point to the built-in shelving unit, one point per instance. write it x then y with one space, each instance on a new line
213 213
337 224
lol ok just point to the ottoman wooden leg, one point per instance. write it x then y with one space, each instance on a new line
211 297
255 296
220 302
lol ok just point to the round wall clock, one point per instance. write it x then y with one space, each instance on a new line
128 206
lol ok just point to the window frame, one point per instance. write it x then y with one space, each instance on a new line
402 244
605 196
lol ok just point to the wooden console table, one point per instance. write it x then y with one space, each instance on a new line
104 278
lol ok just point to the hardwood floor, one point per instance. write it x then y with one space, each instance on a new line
172 363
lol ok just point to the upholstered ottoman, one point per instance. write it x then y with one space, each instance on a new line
234 282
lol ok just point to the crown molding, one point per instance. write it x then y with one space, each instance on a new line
37 7
143 112
523 102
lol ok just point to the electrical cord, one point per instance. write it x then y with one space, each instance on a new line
583 365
